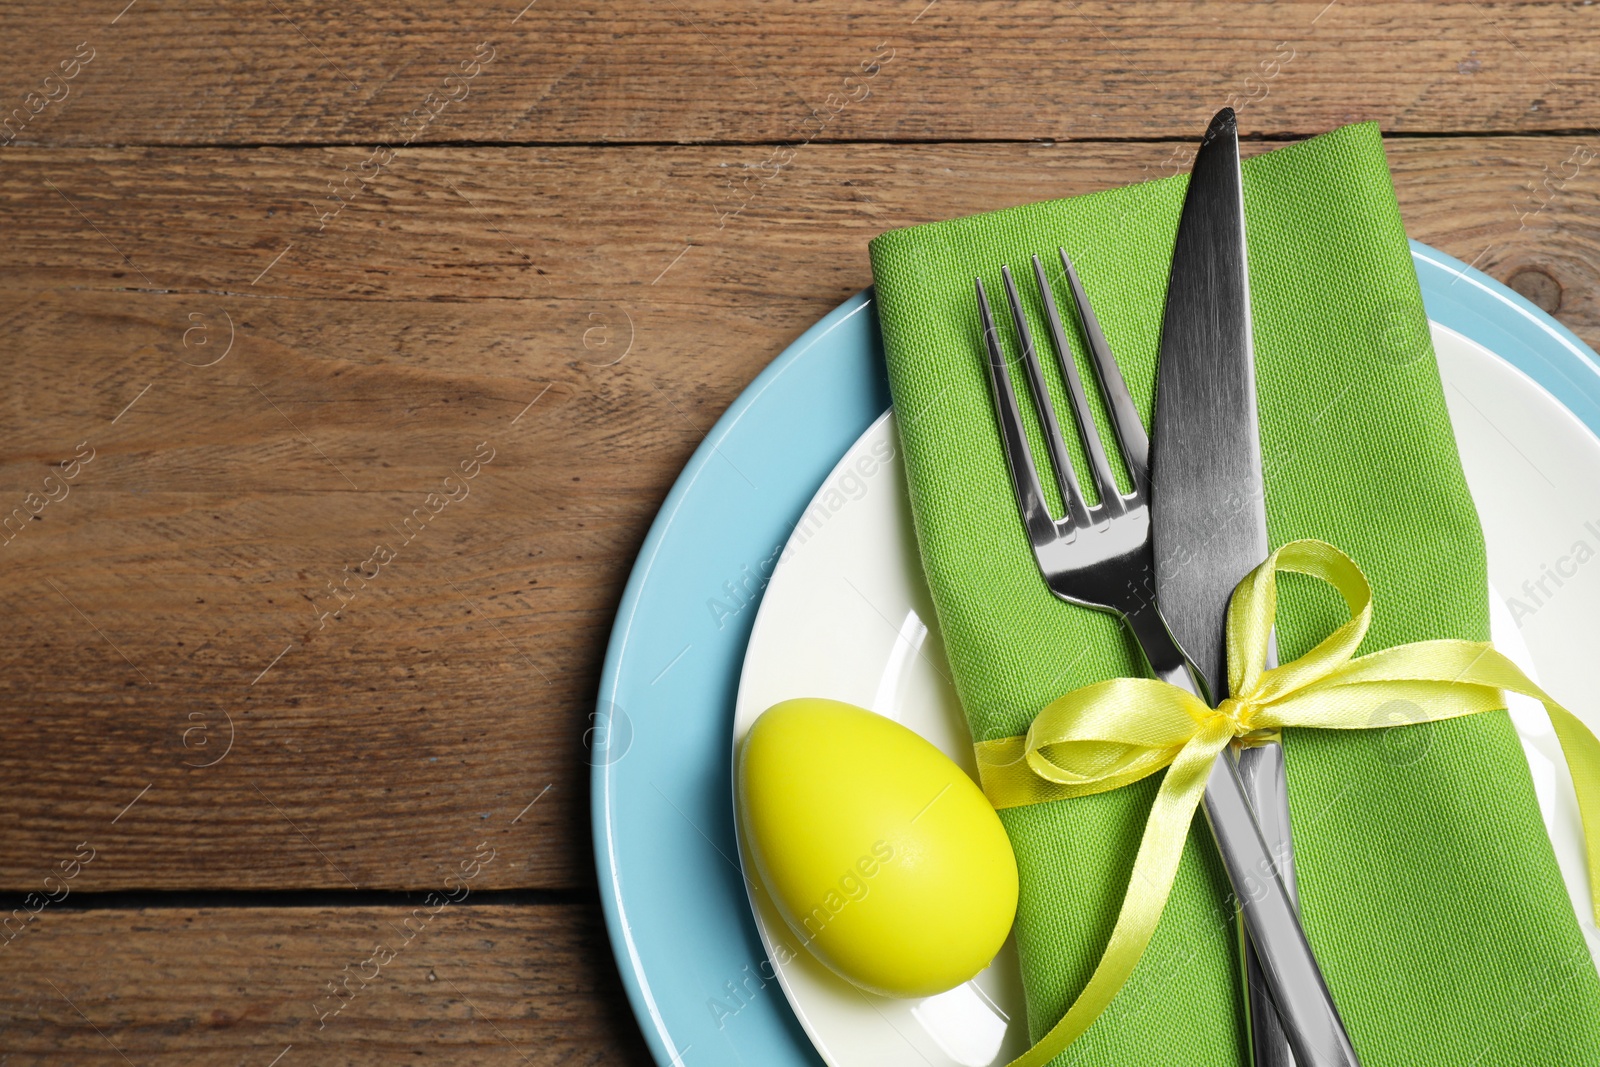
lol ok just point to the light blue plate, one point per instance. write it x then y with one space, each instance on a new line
673 894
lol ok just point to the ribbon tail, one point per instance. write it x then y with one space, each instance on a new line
1477 677
1582 751
1579 747
1155 868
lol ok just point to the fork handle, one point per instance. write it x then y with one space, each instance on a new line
1305 1007
1161 649
1306 1010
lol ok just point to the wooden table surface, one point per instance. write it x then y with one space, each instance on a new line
283 280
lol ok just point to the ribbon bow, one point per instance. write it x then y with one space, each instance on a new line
1115 732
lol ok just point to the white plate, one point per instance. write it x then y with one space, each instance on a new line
847 616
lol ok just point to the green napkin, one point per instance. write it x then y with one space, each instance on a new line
1428 885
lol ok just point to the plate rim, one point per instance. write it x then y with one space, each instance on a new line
624 950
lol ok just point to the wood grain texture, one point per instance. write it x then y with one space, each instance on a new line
273 270
291 71
181 583
203 987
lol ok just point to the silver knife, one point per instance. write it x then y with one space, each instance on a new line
1209 521
1209 528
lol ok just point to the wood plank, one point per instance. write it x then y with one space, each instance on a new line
570 232
784 70
180 582
470 984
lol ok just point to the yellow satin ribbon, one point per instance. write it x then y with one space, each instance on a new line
1112 733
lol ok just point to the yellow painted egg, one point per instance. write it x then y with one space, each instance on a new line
883 857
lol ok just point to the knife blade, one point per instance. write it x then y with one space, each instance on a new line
1208 525
1208 510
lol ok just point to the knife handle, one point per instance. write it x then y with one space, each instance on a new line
1269 1047
1310 1020
1265 778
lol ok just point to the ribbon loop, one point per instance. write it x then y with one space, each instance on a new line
1112 733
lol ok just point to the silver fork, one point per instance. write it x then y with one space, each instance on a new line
1099 556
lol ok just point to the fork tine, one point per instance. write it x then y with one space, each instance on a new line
1104 481
1013 438
1113 389
1066 477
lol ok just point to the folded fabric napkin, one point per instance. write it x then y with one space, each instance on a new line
1428 886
